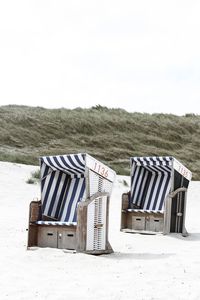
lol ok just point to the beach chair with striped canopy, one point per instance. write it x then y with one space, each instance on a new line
157 198
75 189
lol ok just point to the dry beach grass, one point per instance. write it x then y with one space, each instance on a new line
110 135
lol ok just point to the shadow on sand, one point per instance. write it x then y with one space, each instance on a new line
143 256
195 237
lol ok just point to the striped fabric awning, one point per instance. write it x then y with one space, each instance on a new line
152 161
62 185
73 164
150 182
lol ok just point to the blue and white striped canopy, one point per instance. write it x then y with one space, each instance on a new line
150 181
152 161
73 164
60 196
62 185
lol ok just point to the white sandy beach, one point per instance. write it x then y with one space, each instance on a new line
142 266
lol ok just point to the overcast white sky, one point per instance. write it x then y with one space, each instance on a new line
139 55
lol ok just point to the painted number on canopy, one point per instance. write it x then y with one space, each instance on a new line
183 171
101 169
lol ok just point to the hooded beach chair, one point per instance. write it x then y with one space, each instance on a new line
74 207
157 199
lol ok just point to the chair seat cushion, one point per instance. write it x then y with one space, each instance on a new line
56 223
145 211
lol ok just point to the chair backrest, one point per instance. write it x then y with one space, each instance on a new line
74 193
53 189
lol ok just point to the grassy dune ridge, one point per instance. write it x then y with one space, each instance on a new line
111 135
